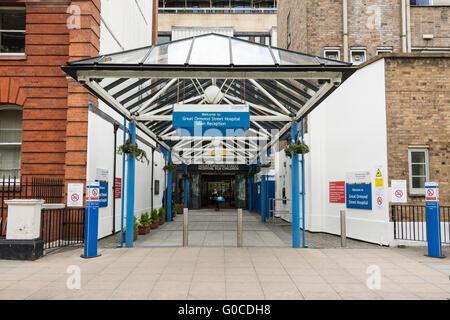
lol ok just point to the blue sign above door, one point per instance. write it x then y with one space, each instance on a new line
211 120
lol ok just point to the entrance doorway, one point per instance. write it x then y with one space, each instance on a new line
225 184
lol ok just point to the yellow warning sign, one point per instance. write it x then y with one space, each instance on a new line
379 182
379 173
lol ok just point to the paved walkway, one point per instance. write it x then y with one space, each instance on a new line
209 228
230 273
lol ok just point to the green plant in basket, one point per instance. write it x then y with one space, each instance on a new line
170 167
145 219
161 213
154 216
296 148
133 150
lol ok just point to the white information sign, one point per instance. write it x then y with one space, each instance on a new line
101 174
398 189
75 195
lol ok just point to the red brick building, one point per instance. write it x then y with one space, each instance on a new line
34 91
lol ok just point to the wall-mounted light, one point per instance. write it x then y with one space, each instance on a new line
428 36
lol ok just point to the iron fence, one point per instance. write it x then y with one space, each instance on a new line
410 222
62 227
27 187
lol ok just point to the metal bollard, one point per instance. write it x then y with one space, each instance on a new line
239 228
343 230
185 227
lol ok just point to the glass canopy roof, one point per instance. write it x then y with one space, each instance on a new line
280 86
211 49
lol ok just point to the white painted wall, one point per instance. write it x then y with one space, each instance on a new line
125 25
347 132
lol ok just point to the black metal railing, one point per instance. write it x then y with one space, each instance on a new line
62 227
49 189
410 222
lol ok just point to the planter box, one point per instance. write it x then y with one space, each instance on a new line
153 225
161 221
180 208
144 230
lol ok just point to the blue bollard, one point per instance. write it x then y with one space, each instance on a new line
91 221
433 220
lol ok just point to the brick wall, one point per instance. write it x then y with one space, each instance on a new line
372 24
430 20
55 109
37 83
418 114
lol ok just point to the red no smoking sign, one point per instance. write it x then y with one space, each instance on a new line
398 193
75 197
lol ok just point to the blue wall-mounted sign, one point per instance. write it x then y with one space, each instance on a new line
358 196
103 199
211 120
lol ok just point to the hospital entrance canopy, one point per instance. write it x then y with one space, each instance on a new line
280 86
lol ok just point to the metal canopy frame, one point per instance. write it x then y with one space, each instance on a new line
280 86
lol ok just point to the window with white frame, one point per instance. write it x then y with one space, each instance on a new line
10 141
333 54
418 170
12 30
380 51
358 56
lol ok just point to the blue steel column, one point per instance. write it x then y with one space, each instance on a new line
263 196
130 190
303 193
295 192
169 191
185 188
250 191
165 189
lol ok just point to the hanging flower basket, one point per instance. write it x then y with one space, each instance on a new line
296 148
170 167
133 150
185 176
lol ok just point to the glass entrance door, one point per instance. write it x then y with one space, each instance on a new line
226 187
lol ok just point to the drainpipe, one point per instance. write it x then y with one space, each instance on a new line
408 26
404 45
155 22
152 177
123 184
169 189
185 187
116 127
345 30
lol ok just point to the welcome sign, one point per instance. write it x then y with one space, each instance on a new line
199 118
358 190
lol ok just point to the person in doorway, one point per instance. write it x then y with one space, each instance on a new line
214 196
